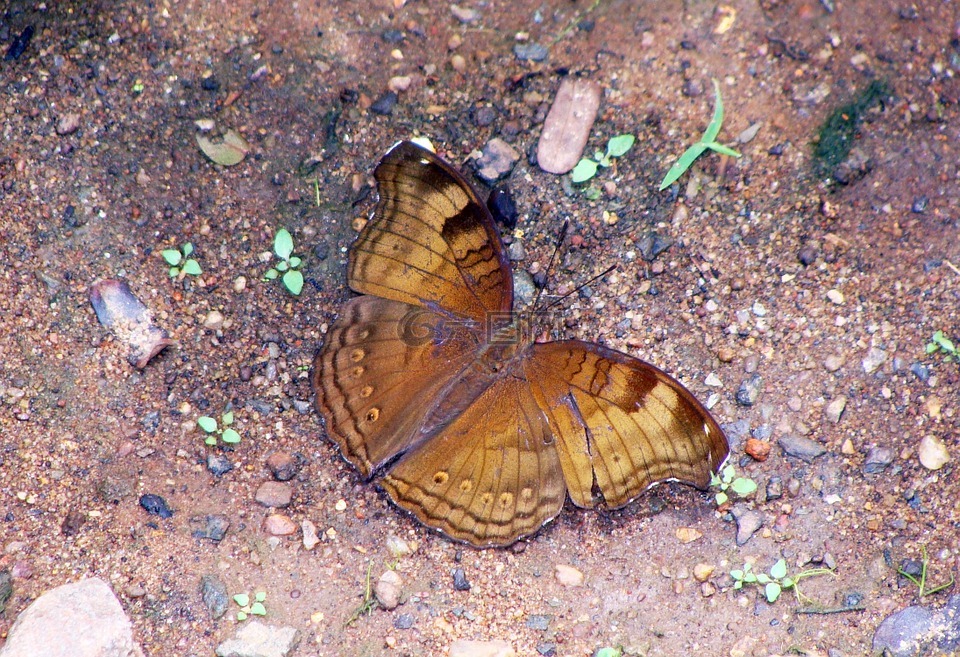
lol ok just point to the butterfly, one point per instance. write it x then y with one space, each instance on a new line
429 384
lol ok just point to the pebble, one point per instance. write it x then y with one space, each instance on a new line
277 524
687 534
53 622
239 284
833 362
283 466
568 575
877 460
68 124
213 320
398 547
274 494
464 14
497 160
516 252
524 289
747 135
835 408
155 505
567 125
129 319
467 648
388 588
212 527
539 622
533 52
703 571
774 488
310 538
256 639
218 464
384 104
134 591
73 522
801 447
404 621
399 83
835 297
749 390
458 62
503 207
758 450
748 522
460 582
873 360
918 630
933 453
214 594
807 254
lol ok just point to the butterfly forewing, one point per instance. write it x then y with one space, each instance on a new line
622 425
431 242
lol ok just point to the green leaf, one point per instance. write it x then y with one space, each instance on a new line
779 569
750 578
187 249
743 486
773 592
242 599
763 578
723 150
210 440
722 498
230 437
172 256
241 615
727 473
283 265
608 652
257 609
260 596
714 479
230 151
710 134
293 281
283 244
174 272
932 347
271 274
619 145
592 193
207 423
682 164
227 418
788 582
736 574
945 343
192 267
584 171
738 584
295 262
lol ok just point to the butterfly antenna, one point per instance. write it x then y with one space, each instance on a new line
553 258
581 286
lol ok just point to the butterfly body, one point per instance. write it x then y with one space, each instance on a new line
430 384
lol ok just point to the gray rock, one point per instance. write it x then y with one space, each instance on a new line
497 160
460 582
749 390
878 458
212 527
540 622
532 51
256 639
748 522
920 630
800 447
873 360
214 594
83 619
218 464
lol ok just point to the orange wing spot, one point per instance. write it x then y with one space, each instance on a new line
366 391
357 355
373 414
466 485
440 478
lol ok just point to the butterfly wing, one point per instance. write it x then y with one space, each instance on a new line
621 425
430 242
491 476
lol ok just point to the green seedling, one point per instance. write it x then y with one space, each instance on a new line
287 268
727 480
222 429
250 606
922 581
608 652
369 602
776 581
707 141
587 168
940 342
181 264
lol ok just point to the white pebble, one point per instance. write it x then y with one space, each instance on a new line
933 453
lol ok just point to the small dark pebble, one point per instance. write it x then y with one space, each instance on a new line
295 594
384 104
6 588
774 488
460 582
349 96
919 205
502 207
19 44
155 505
652 245
909 13
209 84
484 116
547 649
260 406
70 217
877 460
800 447
776 150
540 622
246 372
321 251
403 621
920 370
540 279
212 527
912 567
854 599
749 390
686 44
218 464
151 421
807 255
692 88
283 466
586 25
214 594
392 36
73 522
533 52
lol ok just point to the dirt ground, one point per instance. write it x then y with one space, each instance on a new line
776 269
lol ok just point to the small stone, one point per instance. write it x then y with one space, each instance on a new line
568 575
877 460
835 297
458 63
495 648
256 639
384 104
239 284
387 589
460 582
398 547
774 489
807 255
73 522
213 320
404 621
497 160
748 522
687 534
399 83
747 135
212 527
835 409
464 14
918 630
502 206
68 124
274 494
801 447
833 362
533 52
707 589
847 448
214 594
282 466
155 506
749 390
933 453
134 591
726 354
277 524
310 538
218 464
873 360
703 571
758 450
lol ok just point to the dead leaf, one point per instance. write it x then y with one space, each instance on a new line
230 151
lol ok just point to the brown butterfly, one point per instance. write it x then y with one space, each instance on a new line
427 382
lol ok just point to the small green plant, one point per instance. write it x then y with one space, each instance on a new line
707 141
922 581
940 342
222 429
250 606
181 264
608 652
727 480
587 168
776 582
368 603
287 268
